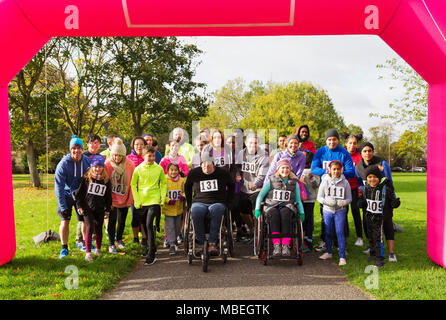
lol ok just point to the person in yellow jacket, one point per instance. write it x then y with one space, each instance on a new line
173 208
149 191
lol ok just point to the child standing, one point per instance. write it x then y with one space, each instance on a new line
311 181
174 205
120 170
94 201
335 195
174 157
281 192
378 200
149 191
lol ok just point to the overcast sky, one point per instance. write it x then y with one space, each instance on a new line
345 66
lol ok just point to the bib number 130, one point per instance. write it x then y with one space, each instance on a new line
209 185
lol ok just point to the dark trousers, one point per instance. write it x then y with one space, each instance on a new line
375 231
146 216
117 215
356 213
93 224
235 211
280 219
308 224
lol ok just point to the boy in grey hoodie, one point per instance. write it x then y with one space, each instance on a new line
335 195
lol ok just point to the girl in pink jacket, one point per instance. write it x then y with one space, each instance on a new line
174 157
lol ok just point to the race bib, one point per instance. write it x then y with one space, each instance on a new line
209 185
375 206
219 162
97 189
249 167
174 194
118 189
336 192
281 195
325 164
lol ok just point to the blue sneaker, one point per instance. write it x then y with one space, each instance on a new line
63 253
84 248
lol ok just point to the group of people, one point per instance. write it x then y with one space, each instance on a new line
218 175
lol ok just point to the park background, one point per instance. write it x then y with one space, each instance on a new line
129 86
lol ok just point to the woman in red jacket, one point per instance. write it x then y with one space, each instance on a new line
351 144
303 135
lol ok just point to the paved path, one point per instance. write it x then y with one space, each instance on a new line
242 277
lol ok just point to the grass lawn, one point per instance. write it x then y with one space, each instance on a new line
37 273
414 276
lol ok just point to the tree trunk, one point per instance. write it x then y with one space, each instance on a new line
32 164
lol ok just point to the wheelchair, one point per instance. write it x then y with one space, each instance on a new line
225 243
263 245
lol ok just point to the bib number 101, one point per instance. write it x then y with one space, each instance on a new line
97 189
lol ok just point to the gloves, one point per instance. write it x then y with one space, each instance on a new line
80 211
302 217
181 198
330 202
172 202
342 203
257 213
395 203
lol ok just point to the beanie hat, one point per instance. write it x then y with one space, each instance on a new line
146 134
331 133
366 144
292 137
206 157
373 169
118 147
97 161
283 162
76 140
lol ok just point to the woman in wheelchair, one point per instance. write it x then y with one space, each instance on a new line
281 194
208 191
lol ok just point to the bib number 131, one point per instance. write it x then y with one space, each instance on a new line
209 185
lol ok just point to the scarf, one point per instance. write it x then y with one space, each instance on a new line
119 173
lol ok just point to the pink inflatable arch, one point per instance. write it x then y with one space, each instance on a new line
415 29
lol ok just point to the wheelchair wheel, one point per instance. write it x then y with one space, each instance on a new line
205 256
186 232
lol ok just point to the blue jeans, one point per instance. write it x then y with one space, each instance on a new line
338 219
198 212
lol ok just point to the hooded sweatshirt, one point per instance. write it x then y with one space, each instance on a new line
252 168
297 161
334 189
325 155
306 144
67 178
149 185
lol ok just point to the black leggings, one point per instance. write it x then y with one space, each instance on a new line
146 216
119 215
93 224
280 219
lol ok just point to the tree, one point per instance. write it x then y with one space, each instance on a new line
381 138
412 148
286 106
154 82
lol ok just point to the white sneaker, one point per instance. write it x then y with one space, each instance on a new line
342 262
326 256
88 257
112 249
320 247
359 242
392 257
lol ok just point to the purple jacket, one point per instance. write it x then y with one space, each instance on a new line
297 163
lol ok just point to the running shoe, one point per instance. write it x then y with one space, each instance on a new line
320 247
392 257
286 250
145 252
79 245
63 253
277 250
166 243
121 244
172 249
397 227
342 262
88 257
150 260
367 251
180 238
112 249
379 262
326 256
359 242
